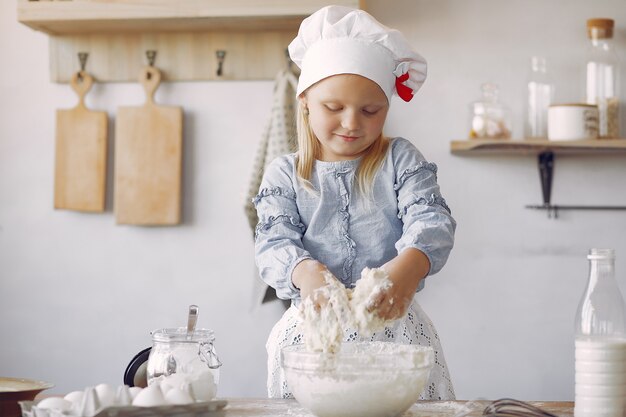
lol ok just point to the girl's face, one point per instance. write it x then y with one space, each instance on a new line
346 113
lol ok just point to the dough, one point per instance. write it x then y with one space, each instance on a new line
346 310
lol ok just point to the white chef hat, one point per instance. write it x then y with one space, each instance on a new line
342 40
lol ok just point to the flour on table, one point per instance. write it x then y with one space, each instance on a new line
346 308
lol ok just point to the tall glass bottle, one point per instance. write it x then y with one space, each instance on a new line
539 96
601 342
602 76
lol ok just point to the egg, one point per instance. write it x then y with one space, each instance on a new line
203 387
178 396
172 381
134 391
150 396
74 397
55 403
106 395
165 385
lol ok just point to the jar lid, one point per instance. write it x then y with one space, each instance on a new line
600 28
180 335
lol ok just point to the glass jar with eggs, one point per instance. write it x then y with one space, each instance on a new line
185 360
489 118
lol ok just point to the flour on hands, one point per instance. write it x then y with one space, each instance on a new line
344 309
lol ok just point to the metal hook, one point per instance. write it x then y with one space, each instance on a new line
151 55
82 58
220 54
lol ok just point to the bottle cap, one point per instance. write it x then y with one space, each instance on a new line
597 253
600 28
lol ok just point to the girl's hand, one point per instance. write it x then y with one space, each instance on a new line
405 273
308 276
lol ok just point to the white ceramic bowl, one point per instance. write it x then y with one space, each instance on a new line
364 379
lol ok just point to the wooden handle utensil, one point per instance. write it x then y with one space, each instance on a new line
81 151
148 159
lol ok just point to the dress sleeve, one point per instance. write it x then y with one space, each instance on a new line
427 223
278 235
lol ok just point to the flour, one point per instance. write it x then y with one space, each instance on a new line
345 309
381 395
365 379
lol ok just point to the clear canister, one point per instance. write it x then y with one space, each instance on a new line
185 360
490 119
602 76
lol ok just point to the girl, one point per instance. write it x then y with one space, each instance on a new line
350 197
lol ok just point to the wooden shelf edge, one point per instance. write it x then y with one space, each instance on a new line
95 16
533 146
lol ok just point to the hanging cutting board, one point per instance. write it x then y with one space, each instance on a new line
80 155
148 159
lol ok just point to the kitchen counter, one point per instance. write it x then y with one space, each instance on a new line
266 407
263 407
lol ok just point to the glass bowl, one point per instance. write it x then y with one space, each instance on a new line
364 379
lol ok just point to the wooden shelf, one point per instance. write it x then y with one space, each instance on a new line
186 34
535 147
65 17
545 151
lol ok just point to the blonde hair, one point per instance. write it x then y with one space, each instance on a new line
309 149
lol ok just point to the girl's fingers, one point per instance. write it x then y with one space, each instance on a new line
386 308
375 302
391 309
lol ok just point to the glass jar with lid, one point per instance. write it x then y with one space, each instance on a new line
602 88
490 119
186 360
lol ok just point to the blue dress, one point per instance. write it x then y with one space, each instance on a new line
347 231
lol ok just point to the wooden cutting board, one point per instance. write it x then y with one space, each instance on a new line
81 152
148 159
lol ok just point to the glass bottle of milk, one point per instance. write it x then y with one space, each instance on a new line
539 96
600 382
602 76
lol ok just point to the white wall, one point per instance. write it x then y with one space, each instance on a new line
79 295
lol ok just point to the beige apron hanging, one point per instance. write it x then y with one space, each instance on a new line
279 138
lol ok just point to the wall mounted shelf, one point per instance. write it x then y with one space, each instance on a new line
185 33
545 152
535 146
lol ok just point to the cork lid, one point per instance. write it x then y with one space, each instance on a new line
600 28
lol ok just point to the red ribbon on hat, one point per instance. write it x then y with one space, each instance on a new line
405 92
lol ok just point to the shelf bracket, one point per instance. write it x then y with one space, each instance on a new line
546 174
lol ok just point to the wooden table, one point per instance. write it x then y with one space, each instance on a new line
263 407
266 407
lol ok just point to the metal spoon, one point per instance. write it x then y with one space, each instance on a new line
191 320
